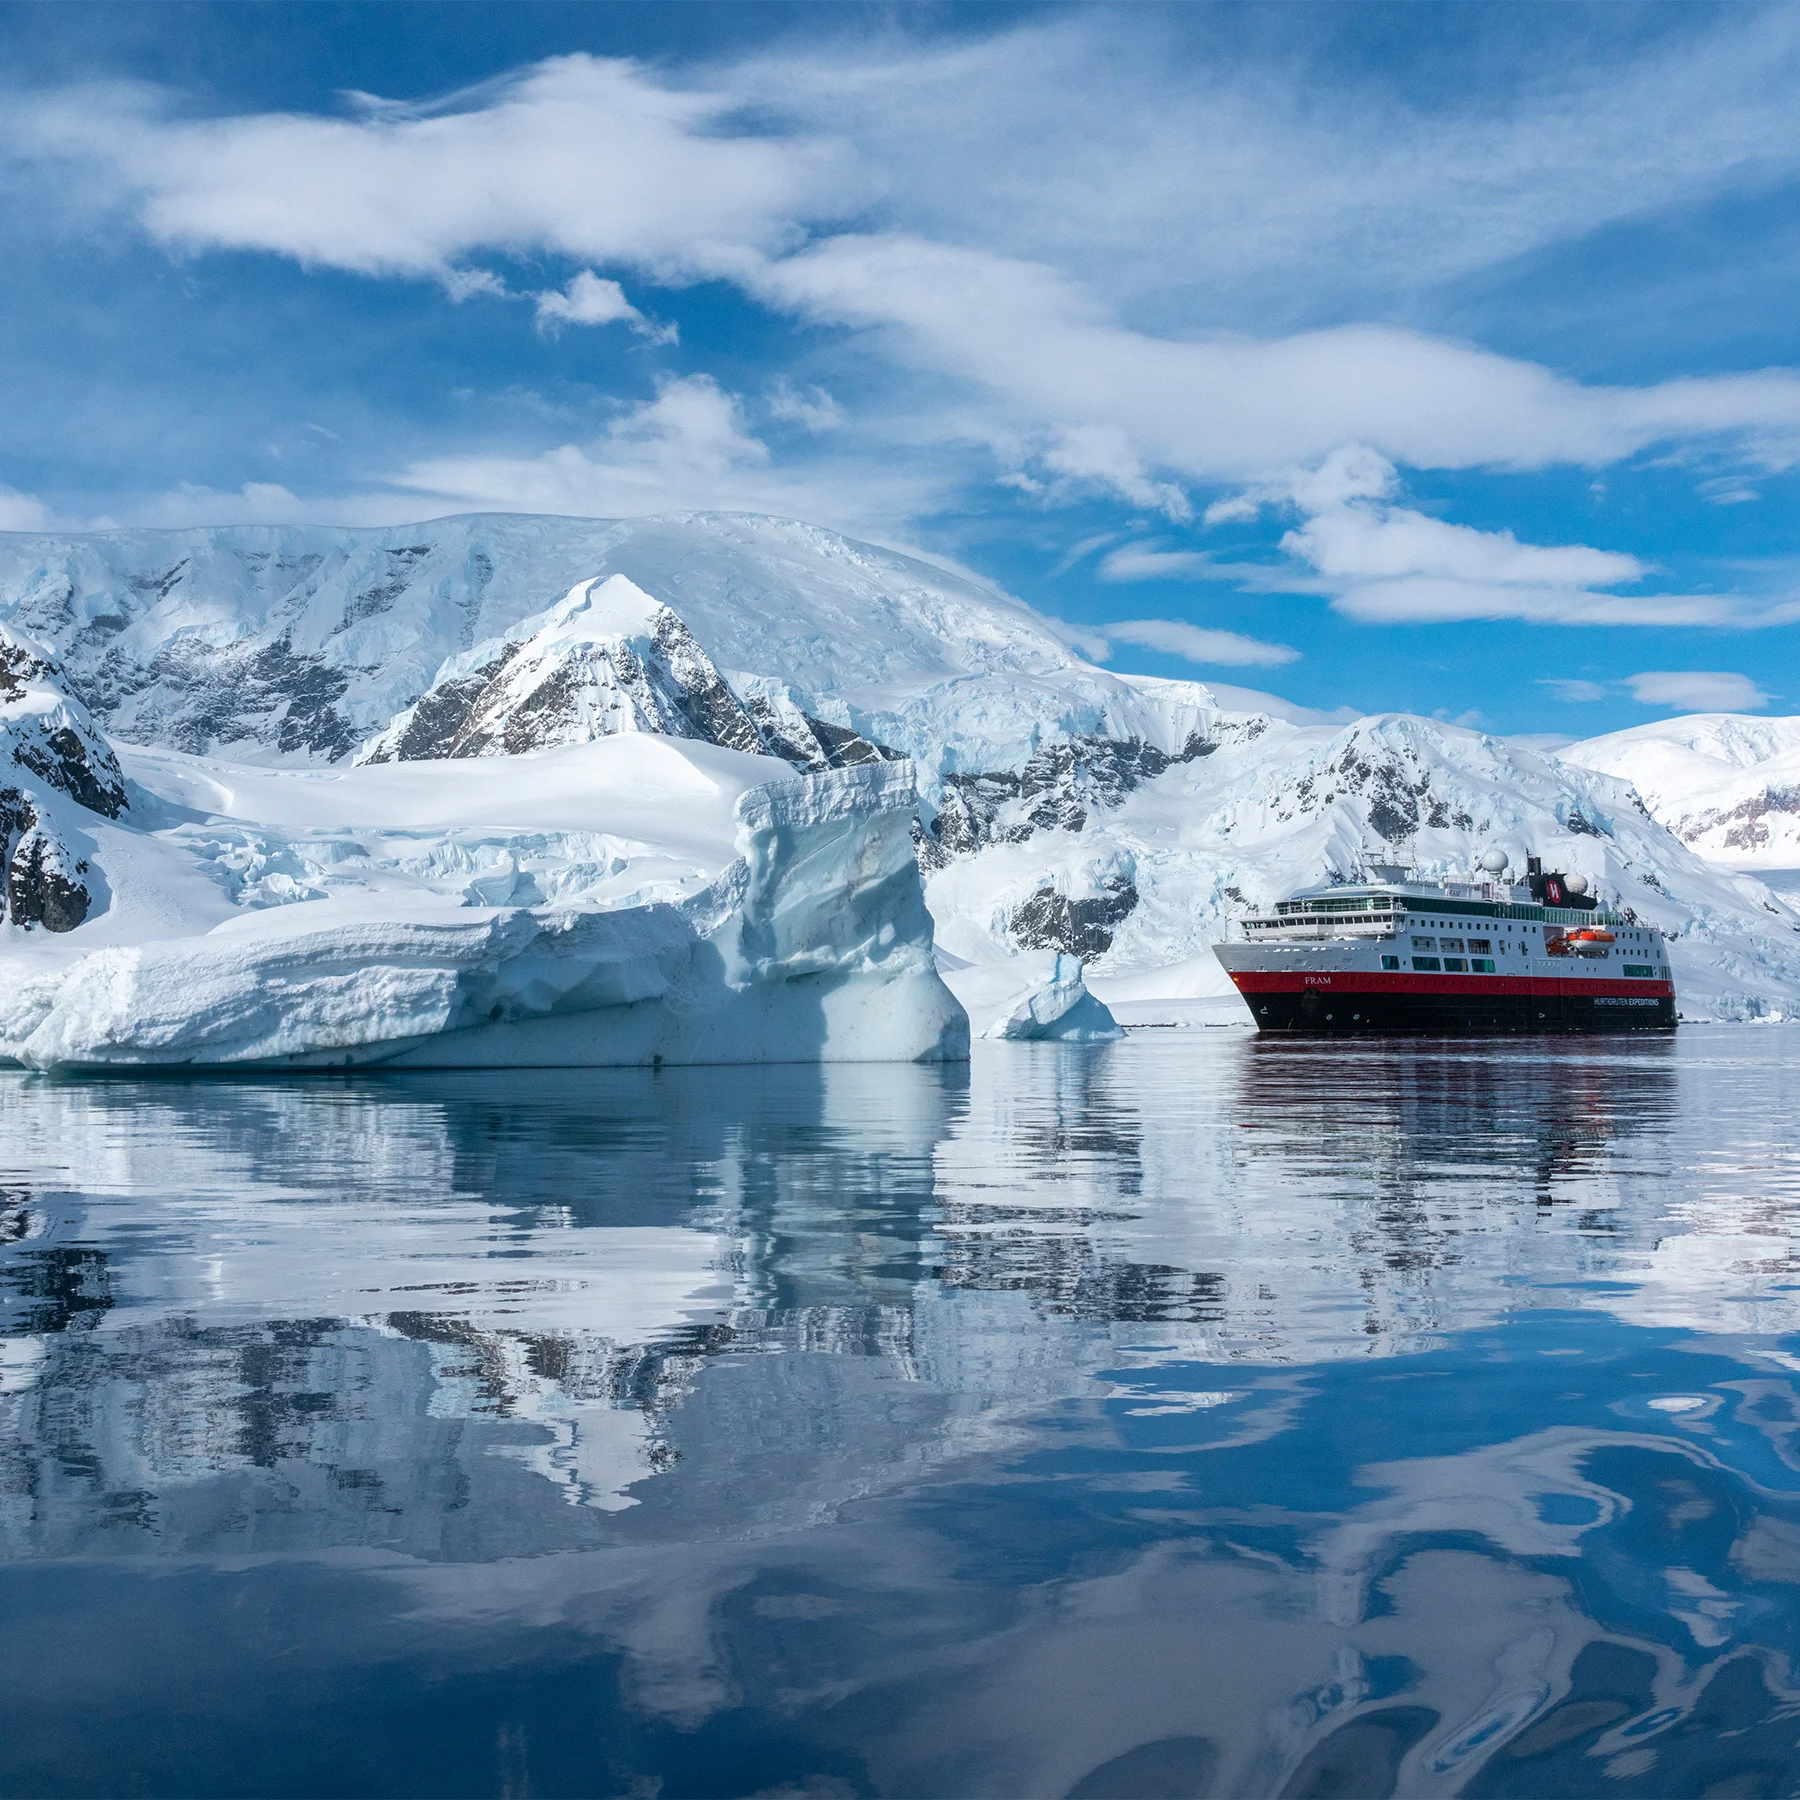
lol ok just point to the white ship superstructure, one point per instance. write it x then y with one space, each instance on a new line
1395 952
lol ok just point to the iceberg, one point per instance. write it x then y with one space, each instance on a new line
775 920
1039 997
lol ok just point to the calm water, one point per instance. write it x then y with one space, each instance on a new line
1203 1415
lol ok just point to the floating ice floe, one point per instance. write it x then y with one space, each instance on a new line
1039 997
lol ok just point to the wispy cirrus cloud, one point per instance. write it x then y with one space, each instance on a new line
1385 563
1697 690
751 172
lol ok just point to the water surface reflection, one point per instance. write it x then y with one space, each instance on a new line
1207 1415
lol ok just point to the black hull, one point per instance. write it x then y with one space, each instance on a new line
1438 1015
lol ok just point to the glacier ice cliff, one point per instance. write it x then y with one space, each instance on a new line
810 942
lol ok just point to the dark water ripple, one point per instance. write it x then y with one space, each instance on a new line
1199 1416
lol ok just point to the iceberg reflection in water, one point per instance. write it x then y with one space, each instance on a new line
1200 1415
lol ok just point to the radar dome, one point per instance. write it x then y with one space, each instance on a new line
1576 884
1494 861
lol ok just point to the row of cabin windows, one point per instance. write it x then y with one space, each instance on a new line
1484 965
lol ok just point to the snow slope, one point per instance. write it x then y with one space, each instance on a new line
1728 786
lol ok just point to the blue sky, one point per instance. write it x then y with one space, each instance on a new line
1429 358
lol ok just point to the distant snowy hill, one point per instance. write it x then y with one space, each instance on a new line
1062 808
1727 785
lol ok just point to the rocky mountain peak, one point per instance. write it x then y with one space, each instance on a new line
605 659
49 746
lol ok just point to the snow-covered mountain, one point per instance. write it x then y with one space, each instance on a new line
1062 808
606 659
298 643
55 770
1727 785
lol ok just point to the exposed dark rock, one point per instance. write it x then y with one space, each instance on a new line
699 692
68 755
1057 790
522 700
18 668
1745 830
439 720
43 881
809 743
1084 928
88 773
380 595
1395 787
205 697
1583 827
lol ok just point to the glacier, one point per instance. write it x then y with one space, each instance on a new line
369 786
1727 785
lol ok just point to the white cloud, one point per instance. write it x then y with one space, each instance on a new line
23 512
1068 226
1427 600
1084 548
688 449
1357 543
590 299
811 407
589 157
1389 564
1090 640
1696 690
1173 637
1144 562
1199 643
1575 691
606 161
1257 176
255 503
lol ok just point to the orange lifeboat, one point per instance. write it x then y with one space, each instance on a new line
1590 940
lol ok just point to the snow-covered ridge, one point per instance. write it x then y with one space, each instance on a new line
1728 786
298 643
605 659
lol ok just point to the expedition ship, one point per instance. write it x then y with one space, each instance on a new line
1397 953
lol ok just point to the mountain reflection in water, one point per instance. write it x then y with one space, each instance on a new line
1202 1415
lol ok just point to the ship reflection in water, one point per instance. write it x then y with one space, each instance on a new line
1203 1415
